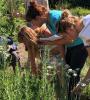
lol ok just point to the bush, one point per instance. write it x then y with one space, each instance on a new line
80 11
80 3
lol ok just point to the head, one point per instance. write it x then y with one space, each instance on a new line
68 26
36 12
79 23
66 13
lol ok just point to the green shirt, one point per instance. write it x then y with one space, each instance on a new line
76 42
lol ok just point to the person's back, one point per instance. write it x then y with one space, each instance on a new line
54 17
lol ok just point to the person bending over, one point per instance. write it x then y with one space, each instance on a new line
37 15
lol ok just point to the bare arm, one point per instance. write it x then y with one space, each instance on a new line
66 39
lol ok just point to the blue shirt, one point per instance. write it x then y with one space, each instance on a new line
54 17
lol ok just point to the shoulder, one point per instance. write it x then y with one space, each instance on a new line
55 11
56 14
86 19
87 16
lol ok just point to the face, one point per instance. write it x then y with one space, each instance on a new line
44 15
72 33
38 21
78 26
77 22
41 19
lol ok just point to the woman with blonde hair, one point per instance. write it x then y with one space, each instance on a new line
76 53
79 27
82 30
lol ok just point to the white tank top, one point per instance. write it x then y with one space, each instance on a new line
85 33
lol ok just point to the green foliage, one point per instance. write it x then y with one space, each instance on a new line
79 3
22 85
80 11
70 3
8 24
3 7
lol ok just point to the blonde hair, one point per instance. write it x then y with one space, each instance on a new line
66 13
67 23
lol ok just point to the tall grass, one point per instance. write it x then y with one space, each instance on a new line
51 84
22 85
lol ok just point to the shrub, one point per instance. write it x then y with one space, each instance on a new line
80 11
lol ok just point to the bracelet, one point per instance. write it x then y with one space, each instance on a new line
81 84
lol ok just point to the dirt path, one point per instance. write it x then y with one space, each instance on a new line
22 54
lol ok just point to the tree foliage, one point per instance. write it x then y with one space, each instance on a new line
8 21
73 3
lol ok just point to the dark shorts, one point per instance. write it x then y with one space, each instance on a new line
76 56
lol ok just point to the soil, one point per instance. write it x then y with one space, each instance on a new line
23 55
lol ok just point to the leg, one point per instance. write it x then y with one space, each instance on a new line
31 58
31 55
75 57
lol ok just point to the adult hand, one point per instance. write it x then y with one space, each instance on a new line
28 34
45 31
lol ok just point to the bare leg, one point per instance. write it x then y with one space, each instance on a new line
29 38
31 59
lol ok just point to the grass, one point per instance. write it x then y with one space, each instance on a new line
22 85
86 90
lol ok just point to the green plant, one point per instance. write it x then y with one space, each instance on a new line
80 11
